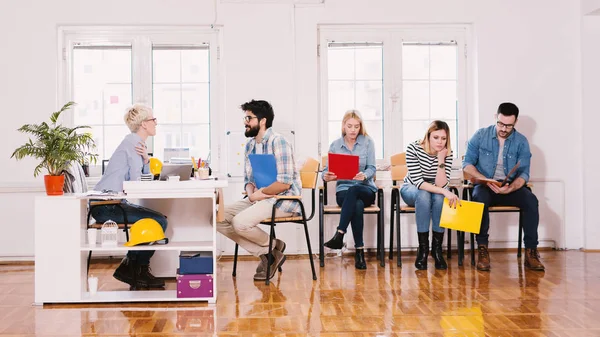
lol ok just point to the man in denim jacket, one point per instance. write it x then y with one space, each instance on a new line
491 153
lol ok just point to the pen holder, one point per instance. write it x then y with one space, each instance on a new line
202 173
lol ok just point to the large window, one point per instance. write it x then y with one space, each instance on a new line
399 78
173 71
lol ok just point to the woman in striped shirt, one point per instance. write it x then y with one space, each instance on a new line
429 163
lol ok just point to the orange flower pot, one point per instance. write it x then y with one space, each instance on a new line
54 184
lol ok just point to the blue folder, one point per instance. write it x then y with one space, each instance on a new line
264 169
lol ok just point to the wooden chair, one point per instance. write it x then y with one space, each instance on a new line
468 195
399 171
308 174
325 209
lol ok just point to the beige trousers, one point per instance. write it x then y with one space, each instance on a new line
241 224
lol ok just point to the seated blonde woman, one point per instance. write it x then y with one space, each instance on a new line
356 194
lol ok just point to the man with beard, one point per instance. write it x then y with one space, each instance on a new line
243 217
491 153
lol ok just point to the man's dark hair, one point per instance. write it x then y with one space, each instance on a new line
508 109
261 109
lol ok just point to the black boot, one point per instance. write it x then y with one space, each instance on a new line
436 250
145 279
423 251
126 272
359 259
336 242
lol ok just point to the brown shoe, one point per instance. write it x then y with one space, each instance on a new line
532 259
483 261
277 244
278 260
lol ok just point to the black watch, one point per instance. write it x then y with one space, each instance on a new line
442 165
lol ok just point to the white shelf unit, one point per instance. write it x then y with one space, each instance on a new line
61 250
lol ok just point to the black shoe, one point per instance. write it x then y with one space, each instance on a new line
146 279
126 271
336 242
436 250
423 251
359 259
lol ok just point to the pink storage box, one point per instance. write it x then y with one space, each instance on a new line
194 285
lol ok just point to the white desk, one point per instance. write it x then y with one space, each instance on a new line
61 249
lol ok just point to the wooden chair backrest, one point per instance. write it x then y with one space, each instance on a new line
220 205
309 173
399 168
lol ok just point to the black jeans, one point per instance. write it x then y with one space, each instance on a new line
134 213
353 202
522 198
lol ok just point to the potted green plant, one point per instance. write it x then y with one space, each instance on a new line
56 146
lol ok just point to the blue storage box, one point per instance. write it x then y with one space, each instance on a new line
195 263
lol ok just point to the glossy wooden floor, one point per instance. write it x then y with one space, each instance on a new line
508 301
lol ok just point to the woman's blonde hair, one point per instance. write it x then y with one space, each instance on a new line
435 126
135 115
356 115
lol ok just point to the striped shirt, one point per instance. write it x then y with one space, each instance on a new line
276 144
422 167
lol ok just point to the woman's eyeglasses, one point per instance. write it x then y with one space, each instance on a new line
152 120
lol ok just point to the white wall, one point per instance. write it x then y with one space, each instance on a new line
527 52
591 120
589 6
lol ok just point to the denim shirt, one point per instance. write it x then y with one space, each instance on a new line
483 148
124 165
364 148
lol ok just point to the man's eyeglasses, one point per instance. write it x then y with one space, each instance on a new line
502 125
247 119
151 120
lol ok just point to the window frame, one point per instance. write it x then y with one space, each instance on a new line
142 40
392 37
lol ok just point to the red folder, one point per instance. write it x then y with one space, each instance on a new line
345 166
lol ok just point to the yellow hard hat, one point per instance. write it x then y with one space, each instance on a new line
145 231
155 166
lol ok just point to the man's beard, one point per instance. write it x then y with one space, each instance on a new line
252 132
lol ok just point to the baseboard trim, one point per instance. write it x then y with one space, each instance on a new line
22 187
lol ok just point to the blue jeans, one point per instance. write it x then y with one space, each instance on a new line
428 206
522 198
134 213
353 202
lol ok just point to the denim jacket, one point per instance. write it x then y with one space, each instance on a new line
365 150
482 152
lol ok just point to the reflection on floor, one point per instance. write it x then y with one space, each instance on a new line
508 301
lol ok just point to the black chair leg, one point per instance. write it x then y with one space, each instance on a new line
272 232
449 248
398 234
312 264
520 233
235 255
88 263
321 241
472 249
381 229
392 227
460 242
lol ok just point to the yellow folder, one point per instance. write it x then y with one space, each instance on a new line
465 217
